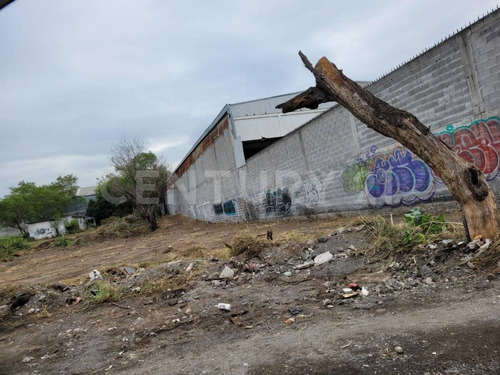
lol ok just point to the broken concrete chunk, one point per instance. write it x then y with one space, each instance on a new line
323 258
227 273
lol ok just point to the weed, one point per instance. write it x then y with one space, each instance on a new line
61 242
104 291
11 245
72 226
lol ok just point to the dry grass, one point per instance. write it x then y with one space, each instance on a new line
157 285
299 237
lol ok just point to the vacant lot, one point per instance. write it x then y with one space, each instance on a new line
424 311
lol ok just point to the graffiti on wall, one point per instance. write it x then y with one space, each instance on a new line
402 178
226 208
393 179
355 175
309 189
278 202
478 143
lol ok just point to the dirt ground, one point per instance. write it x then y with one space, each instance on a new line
424 314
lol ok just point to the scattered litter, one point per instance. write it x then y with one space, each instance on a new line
353 286
446 242
399 350
304 265
350 295
346 345
364 292
294 310
227 273
432 246
224 306
190 267
347 290
28 359
351 251
248 327
323 258
290 321
95 275
252 266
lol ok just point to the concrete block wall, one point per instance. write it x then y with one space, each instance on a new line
336 163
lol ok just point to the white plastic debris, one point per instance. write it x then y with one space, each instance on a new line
95 275
323 258
227 273
224 306
364 291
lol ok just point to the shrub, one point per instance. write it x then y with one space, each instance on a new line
72 226
104 291
10 245
61 242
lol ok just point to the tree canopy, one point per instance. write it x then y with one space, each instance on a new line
29 203
139 181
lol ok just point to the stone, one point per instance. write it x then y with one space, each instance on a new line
323 239
288 274
227 273
399 350
323 258
429 281
327 302
4 311
424 270
28 359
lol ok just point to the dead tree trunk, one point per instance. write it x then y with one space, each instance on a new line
464 180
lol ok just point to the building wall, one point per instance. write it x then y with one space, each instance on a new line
336 163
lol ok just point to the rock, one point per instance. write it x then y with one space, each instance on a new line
399 350
424 270
287 274
323 239
28 359
227 273
327 302
432 246
4 311
304 265
310 243
323 258
429 281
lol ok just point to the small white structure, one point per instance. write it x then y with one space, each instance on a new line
47 229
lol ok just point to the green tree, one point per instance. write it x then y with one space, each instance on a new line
28 203
140 178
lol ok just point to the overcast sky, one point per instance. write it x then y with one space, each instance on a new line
76 75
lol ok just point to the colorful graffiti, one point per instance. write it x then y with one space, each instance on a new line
478 143
278 202
402 178
226 208
229 208
399 179
355 175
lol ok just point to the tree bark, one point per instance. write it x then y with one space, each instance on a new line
465 181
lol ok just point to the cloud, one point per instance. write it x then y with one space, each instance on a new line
76 76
